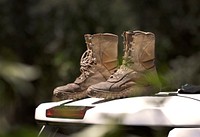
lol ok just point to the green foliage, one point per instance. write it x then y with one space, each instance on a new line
22 132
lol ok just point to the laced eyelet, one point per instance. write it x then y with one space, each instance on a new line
87 61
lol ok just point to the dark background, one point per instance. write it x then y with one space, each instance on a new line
41 42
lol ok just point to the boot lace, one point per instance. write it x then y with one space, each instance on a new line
87 61
128 50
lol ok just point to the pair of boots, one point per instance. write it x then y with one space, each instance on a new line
99 74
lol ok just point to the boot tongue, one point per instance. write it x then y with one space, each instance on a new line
120 73
123 69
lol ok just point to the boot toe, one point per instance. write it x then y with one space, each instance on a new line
67 88
102 86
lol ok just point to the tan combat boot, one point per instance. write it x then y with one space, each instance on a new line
97 63
137 75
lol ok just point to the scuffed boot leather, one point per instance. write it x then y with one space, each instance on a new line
136 75
97 63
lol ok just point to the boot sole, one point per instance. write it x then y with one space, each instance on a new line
67 95
129 92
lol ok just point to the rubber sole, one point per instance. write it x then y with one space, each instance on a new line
68 95
129 92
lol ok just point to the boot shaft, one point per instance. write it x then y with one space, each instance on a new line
139 50
100 58
105 49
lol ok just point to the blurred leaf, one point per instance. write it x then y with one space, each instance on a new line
19 76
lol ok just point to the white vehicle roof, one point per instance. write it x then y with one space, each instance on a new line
181 110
